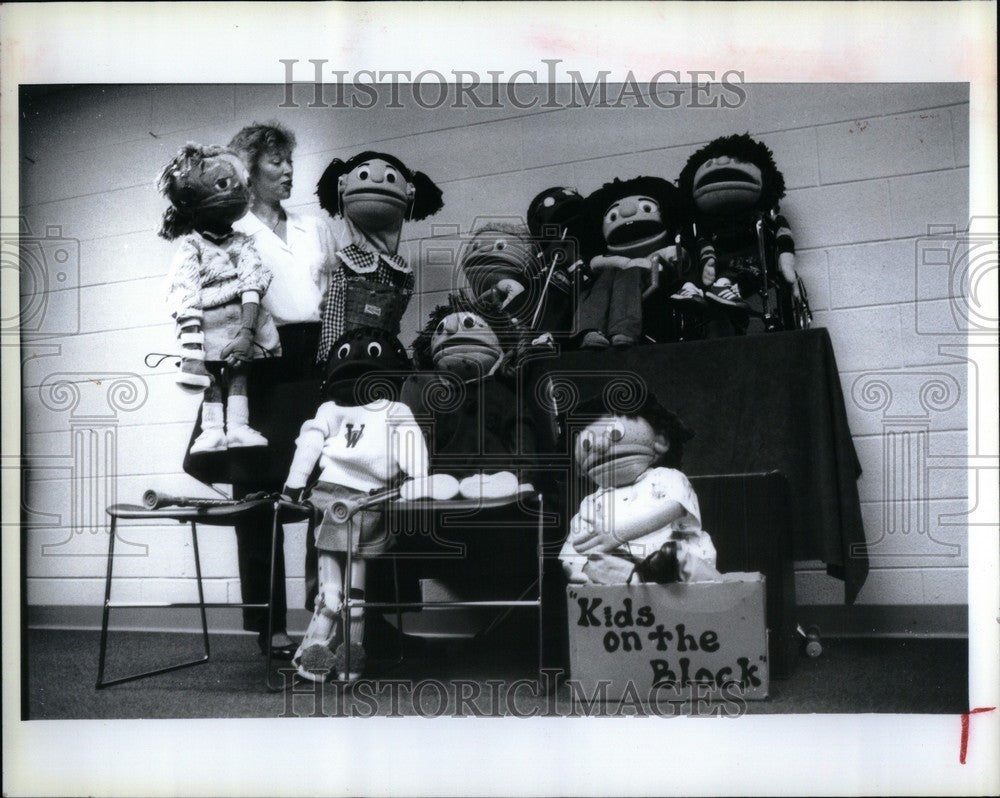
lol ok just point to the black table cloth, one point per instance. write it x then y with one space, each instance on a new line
756 403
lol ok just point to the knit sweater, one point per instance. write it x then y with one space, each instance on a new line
364 447
205 275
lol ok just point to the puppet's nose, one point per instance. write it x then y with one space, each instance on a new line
628 208
722 160
376 173
451 325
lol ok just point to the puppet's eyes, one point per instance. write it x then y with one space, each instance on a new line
613 216
344 351
363 174
222 183
390 176
468 322
615 434
647 208
440 328
374 349
548 202
585 444
500 245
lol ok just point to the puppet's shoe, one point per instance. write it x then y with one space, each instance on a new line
212 439
689 295
594 340
438 487
244 436
357 663
725 293
315 663
622 341
501 485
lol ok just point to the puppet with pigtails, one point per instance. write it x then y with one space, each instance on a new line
745 245
216 282
370 196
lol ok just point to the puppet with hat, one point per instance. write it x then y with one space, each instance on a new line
734 187
364 440
640 220
370 196
643 522
482 445
216 282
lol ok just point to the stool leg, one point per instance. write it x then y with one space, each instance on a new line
541 576
201 589
107 607
345 617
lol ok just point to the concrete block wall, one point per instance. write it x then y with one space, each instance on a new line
868 168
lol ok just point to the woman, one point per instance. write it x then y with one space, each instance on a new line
298 250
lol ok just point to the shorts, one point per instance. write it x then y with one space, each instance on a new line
366 530
222 324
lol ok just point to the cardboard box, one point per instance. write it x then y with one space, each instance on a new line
670 642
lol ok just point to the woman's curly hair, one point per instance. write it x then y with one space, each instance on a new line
257 140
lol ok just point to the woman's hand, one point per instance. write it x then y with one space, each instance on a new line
239 350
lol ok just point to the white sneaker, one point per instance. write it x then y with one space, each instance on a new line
439 487
212 439
501 485
244 436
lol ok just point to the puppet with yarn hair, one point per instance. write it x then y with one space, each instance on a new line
734 187
216 282
370 196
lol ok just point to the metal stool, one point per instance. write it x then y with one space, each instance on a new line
213 513
345 511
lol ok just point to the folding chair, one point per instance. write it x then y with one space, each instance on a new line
195 511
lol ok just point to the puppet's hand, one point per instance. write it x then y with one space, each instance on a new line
708 273
640 263
589 541
240 349
786 263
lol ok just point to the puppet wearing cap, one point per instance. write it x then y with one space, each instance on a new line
734 185
639 219
216 282
479 436
643 523
559 223
370 196
364 440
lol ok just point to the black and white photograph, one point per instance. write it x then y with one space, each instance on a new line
345 393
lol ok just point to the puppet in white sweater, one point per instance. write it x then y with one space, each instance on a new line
216 282
364 440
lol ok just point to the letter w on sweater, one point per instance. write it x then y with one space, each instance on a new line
364 447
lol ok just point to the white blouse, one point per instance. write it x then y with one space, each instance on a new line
300 266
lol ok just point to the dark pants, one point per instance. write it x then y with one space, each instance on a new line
280 420
614 304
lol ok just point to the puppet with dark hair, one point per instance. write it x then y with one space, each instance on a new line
734 187
482 444
370 196
643 522
640 220
216 282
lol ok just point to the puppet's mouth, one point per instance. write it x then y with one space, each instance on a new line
728 179
619 455
639 231
462 344
373 194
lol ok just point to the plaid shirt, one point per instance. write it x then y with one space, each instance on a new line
357 263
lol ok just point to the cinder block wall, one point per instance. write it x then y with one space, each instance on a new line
868 168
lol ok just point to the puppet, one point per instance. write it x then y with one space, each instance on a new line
502 266
216 283
370 196
734 187
481 442
364 440
643 523
558 221
639 220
